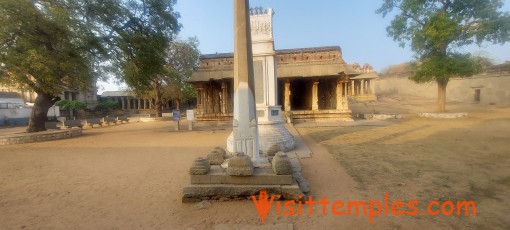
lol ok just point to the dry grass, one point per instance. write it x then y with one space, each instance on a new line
426 159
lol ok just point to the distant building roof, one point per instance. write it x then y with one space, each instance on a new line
9 95
117 94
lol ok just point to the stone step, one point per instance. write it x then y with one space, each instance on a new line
261 176
198 192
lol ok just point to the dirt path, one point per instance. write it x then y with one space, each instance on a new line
131 177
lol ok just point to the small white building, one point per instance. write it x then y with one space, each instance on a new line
15 111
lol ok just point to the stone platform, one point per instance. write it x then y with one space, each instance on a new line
217 185
261 176
23 137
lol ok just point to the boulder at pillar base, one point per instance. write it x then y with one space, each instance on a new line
281 164
200 166
240 165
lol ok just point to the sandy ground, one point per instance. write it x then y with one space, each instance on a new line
131 177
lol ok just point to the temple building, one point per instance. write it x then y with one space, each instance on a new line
128 101
312 84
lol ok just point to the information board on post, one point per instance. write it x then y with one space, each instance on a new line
176 115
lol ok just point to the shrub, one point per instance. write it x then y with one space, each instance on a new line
107 104
67 104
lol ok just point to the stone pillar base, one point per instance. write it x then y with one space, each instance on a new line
275 133
270 133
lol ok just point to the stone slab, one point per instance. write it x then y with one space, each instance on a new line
203 190
301 150
302 182
382 116
261 176
292 192
444 115
296 164
292 155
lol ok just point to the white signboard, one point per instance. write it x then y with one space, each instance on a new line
190 115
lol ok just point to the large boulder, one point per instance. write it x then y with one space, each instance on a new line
240 165
281 164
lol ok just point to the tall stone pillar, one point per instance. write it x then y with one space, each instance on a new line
345 88
286 95
372 86
245 130
223 97
352 88
315 96
199 100
362 87
346 100
123 104
339 95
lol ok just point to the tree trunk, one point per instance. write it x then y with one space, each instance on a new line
158 103
441 96
178 104
39 115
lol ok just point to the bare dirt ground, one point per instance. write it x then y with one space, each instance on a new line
131 176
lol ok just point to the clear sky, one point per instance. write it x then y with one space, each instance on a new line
352 25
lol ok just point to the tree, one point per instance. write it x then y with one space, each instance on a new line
71 106
437 29
183 57
141 40
49 46
45 46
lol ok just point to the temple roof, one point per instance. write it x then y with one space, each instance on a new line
291 63
371 75
282 51
308 50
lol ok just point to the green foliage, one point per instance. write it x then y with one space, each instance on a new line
183 57
68 104
107 105
436 29
46 46
432 26
442 68
141 40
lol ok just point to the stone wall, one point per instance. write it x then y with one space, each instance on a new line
22 138
493 88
